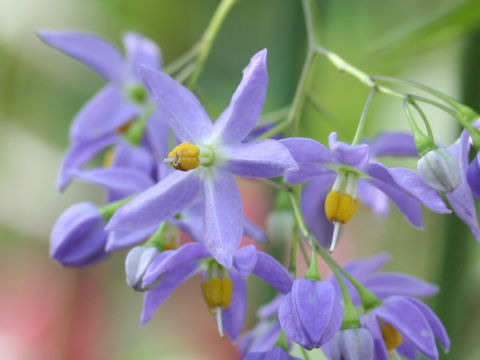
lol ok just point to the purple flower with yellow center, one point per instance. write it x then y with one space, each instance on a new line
311 313
406 326
340 178
276 353
208 158
100 123
224 290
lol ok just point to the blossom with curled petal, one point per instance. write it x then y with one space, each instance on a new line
173 267
367 179
406 326
221 156
101 122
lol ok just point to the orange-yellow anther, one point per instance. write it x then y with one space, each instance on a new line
217 292
391 337
340 207
185 156
124 128
108 158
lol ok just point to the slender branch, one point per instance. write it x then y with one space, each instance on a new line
208 37
183 60
424 118
363 117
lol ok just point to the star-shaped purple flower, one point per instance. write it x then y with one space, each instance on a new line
218 155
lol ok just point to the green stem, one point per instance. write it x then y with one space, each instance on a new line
292 267
425 120
350 316
107 211
183 60
274 116
156 239
423 143
363 117
208 37
312 272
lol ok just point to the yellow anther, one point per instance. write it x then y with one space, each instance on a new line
340 207
391 337
124 128
108 158
185 157
217 292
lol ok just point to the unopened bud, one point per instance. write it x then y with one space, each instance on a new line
185 157
352 344
439 169
136 264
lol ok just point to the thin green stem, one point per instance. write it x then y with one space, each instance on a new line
304 252
350 316
183 75
278 186
183 60
363 117
424 118
292 267
107 211
208 37
274 116
423 143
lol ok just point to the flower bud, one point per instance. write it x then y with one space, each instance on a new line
137 262
185 157
78 237
439 169
352 344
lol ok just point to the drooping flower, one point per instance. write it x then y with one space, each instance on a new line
407 326
221 155
351 344
224 289
344 175
109 114
311 313
439 169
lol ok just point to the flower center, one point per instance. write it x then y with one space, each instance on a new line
391 337
341 202
217 292
185 157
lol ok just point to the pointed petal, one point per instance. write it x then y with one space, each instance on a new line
253 231
222 217
245 260
435 323
78 155
373 198
388 284
270 270
184 254
233 317
185 114
120 240
266 158
364 267
473 176
411 323
95 52
173 279
160 202
157 134
107 111
236 122
312 204
141 51
121 180
130 156
309 155
407 204
410 181
394 144
461 199
290 322
353 155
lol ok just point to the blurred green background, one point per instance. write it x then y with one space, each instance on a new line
47 312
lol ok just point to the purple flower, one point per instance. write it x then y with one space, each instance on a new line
351 344
347 172
173 267
382 284
276 353
121 101
78 237
208 158
407 326
311 313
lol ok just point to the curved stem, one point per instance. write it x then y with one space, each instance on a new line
363 117
424 118
183 60
208 37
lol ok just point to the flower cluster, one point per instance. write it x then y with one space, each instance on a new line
167 167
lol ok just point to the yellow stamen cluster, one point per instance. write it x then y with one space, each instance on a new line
391 337
185 157
217 292
340 207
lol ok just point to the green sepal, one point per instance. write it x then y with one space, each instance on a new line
312 272
156 240
107 211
